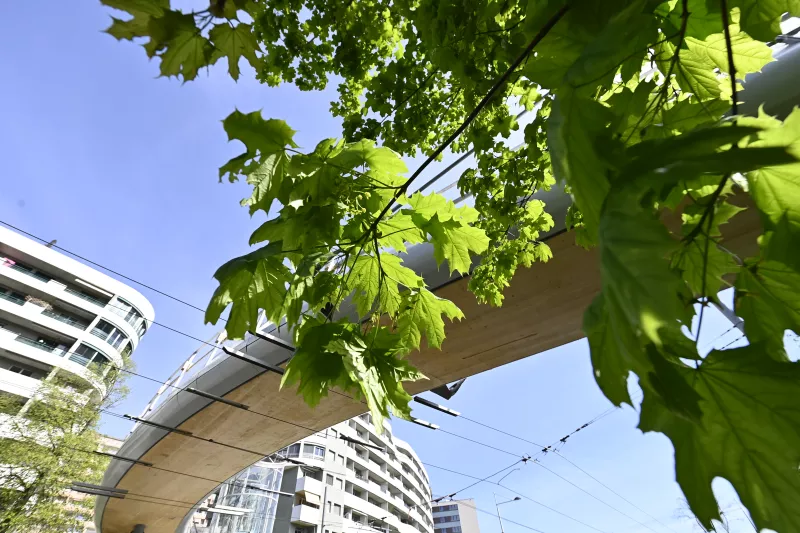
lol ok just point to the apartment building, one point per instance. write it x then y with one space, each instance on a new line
457 516
59 317
350 480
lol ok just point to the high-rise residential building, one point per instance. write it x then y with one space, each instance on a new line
457 516
61 317
351 480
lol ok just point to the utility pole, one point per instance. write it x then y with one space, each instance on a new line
497 507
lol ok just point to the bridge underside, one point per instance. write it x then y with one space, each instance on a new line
543 309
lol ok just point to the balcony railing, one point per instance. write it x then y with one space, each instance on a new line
12 298
29 272
44 346
65 319
91 299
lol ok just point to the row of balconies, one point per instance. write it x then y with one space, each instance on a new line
402 457
310 490
45 286
383 472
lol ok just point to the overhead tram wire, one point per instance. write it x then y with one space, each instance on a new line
623 513
518 494
107 269
543 451
481 480
559 454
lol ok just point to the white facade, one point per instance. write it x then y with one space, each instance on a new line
456 516
59 317
342 487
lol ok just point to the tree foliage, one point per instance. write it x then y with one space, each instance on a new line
48 444
630 103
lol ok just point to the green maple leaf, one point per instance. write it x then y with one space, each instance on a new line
761 18
692 255
455 242
183 50
129 29
234 42
364 152
250 282
628 34
776 189
718 263
637 280
259 135
430 205
688 114
313 366
768 289
614 351
365 279
395 274
372 365
572 133
693 70
423 316
748 435
153 8
397 230
372 277
267 181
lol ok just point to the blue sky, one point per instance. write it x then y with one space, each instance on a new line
121 167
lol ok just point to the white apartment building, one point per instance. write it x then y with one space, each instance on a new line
456 516
61 317
340 487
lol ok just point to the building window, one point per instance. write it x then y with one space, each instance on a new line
110 333
312 451
23 371
339 483
341 460
337 509
293 450
329 507
329 479
84 354
131 315
334 433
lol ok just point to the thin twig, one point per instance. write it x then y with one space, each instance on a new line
709 212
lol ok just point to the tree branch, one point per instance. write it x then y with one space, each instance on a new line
484 101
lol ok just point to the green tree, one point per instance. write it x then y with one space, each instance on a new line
631 104
47 445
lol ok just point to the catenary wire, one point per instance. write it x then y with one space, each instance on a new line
132 280
623 513
481 480
612 490
501 431
517 493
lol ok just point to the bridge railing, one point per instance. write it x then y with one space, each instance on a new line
209 355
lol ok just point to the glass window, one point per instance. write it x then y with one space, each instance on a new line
337 509
110 333
334 433
329 507
339 483
23 371
293 450
341 460
131 315
329 479
84 354
313 451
